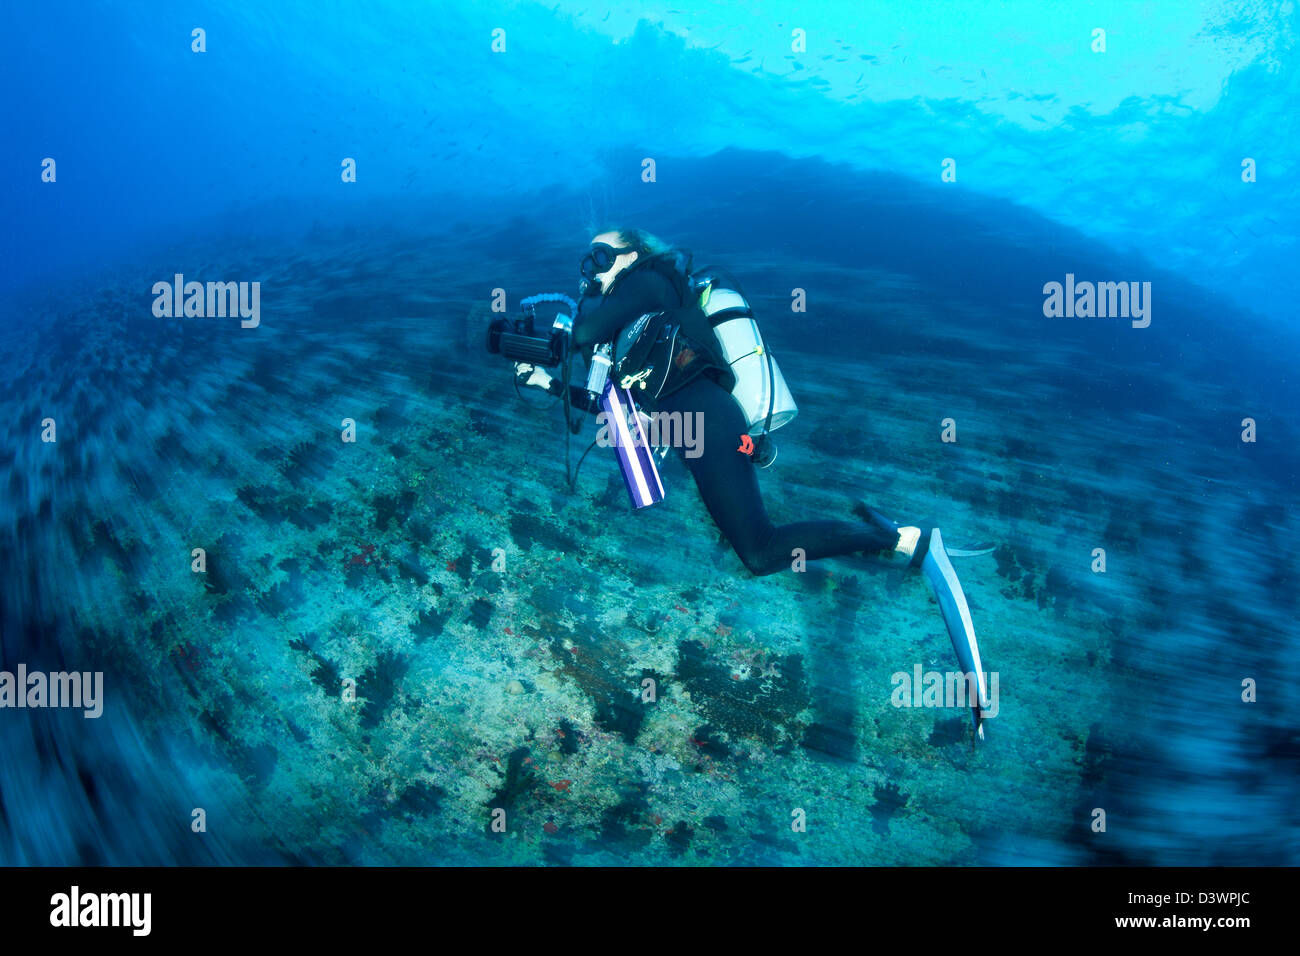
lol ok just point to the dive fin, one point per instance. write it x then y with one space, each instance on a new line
939 572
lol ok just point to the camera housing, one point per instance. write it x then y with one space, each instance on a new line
517 339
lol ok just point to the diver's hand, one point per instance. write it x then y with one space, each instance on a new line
526 374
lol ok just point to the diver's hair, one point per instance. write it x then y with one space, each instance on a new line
646 243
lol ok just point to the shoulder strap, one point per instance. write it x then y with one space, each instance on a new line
674 265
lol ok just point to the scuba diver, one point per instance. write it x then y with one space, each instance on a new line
685 341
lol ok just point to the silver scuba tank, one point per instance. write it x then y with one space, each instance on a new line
760 387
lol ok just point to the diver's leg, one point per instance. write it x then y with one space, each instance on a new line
728 484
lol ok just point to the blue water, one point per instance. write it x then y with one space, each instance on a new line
922 171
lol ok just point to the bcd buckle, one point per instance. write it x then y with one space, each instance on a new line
639 378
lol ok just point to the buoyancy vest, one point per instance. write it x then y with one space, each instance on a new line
660 352
712 332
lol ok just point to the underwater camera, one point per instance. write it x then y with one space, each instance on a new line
517 339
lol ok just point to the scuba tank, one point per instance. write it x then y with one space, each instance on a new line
760 388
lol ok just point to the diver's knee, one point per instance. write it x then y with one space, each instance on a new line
756 564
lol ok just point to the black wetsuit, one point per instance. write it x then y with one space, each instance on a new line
701 382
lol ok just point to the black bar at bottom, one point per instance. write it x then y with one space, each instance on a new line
342 906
